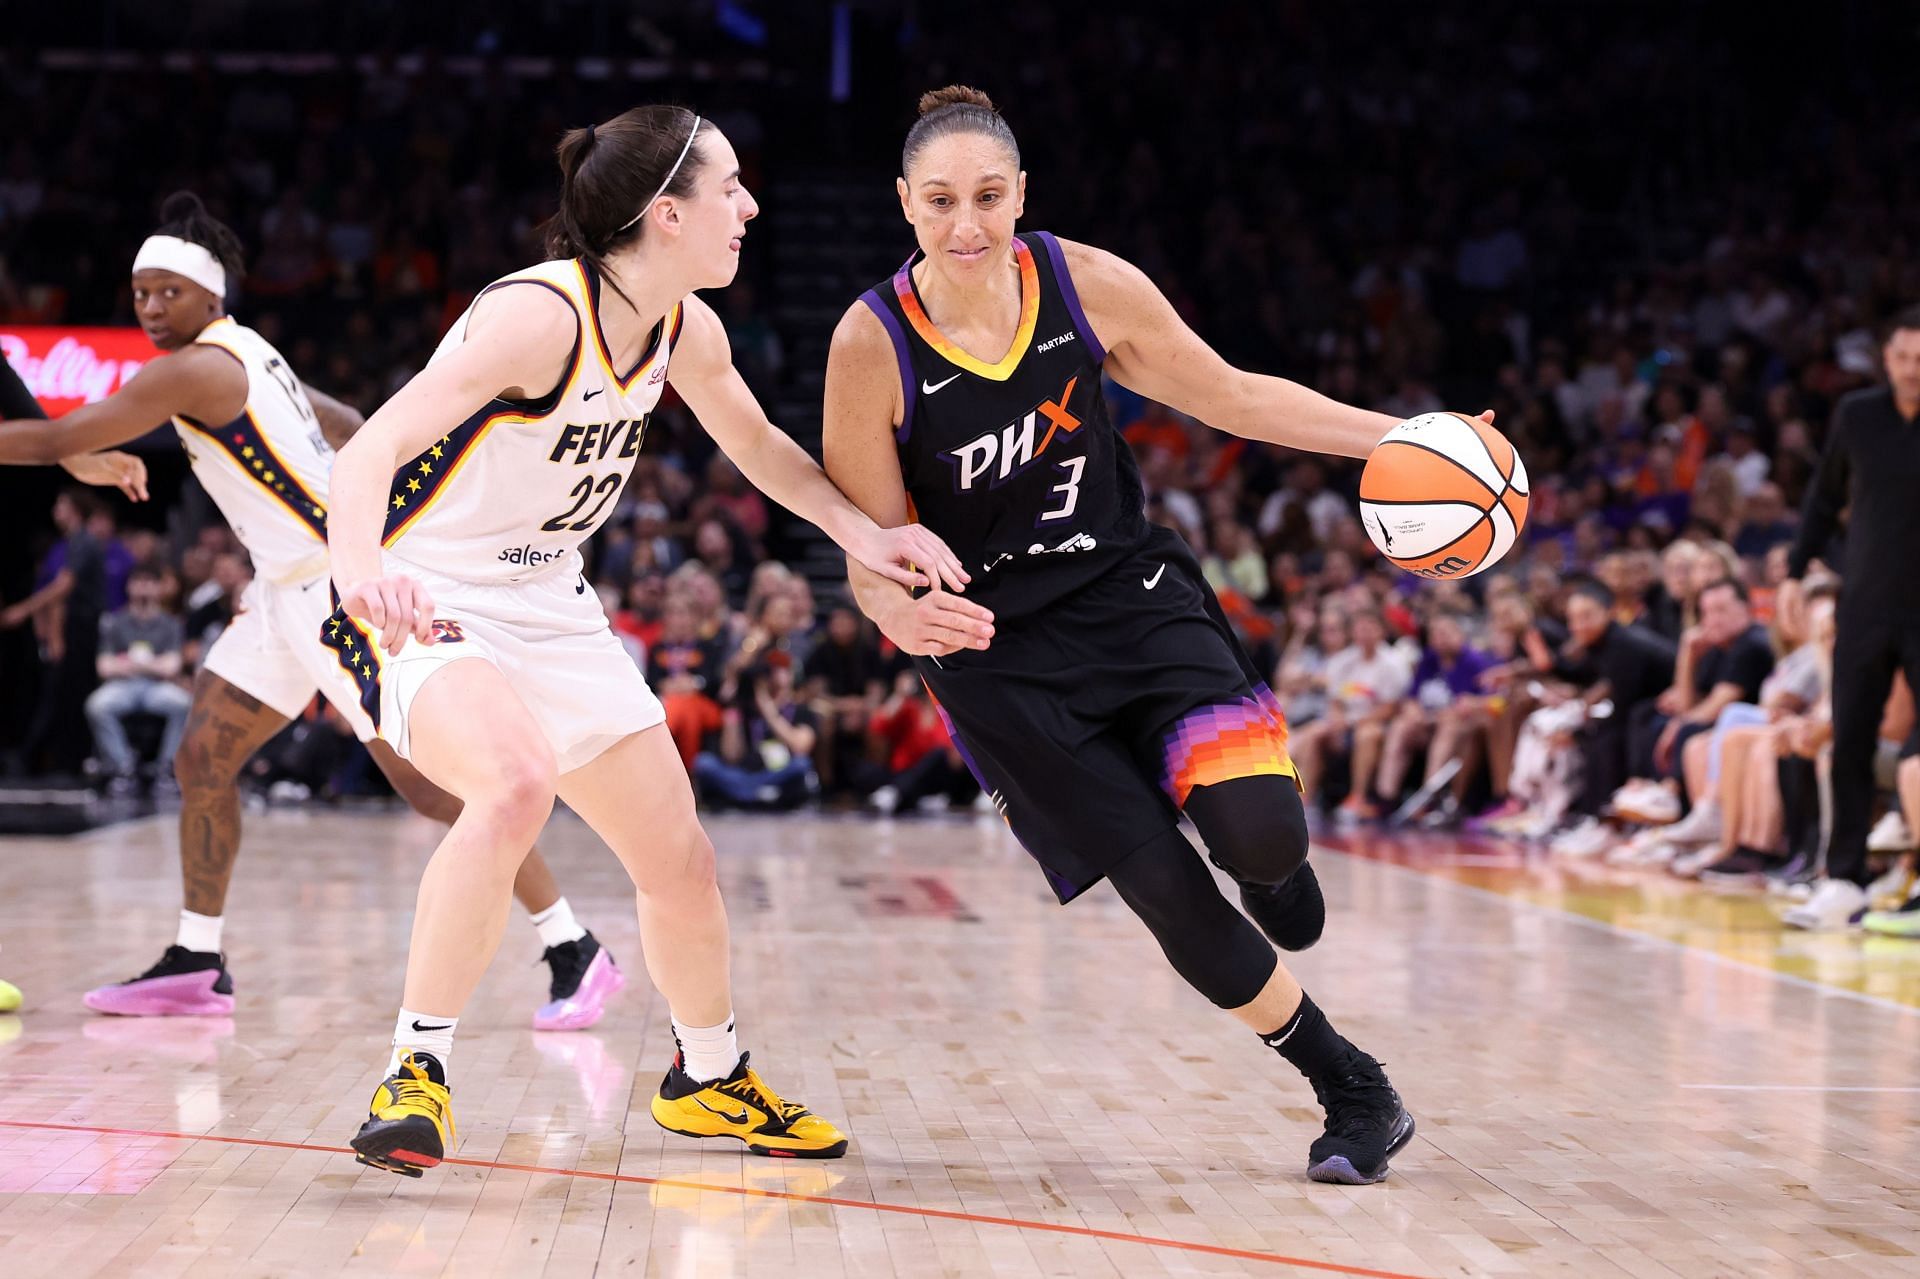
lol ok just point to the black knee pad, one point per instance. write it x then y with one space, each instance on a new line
1208 942
1255 828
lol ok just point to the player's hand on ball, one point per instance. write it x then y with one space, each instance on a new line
395 605
912 555
937 624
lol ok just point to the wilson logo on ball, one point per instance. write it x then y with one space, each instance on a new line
1444 496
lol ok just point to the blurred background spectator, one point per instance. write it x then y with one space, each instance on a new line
139 667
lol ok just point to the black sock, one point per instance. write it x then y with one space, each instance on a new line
1309 1041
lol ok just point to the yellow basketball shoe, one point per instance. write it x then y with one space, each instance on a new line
410 1122
744 1108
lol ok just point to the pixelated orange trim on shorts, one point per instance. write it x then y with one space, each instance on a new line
1218 743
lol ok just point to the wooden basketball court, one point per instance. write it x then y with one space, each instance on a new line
1614 1074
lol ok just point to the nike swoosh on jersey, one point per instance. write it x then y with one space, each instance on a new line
928 388
1151 582
590 394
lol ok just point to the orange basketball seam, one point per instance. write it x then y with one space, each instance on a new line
1481 432
1415 501
1450 460
1485 517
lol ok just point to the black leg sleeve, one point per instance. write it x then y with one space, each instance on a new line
1209 943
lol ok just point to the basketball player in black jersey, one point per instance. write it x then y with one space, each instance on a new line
1089 675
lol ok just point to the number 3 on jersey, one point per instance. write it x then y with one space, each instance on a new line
587 489
1070 491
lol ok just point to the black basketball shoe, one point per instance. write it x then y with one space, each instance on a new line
1366 1123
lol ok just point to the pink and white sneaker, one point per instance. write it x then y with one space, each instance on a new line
584 979
185 983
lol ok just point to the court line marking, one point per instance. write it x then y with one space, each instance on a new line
750 1192
1630 934
1795 1088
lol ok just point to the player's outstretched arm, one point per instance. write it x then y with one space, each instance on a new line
702 371
515 351
199 382
1151 350
862 403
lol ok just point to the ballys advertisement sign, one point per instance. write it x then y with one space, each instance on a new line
67 367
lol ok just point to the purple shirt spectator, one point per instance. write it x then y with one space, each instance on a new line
1435 683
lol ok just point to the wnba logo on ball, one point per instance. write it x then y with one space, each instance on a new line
1444 495
1445 568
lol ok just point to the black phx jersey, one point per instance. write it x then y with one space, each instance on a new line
1114 685
1015 464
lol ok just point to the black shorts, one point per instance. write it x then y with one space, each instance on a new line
1090 722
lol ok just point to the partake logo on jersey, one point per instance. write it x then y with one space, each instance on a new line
1070 546
999 455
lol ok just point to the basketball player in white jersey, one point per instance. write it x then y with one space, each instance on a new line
458 511
262 445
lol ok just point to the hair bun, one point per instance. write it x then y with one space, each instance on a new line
954 95
181 206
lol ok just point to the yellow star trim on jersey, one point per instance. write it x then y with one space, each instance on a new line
247 451
426 468
269 477
398 501
446 439
413 486
435 450
333 628
348 641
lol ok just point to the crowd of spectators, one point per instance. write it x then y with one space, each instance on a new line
1661 324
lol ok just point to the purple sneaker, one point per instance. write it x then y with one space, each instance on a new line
584 979
185 983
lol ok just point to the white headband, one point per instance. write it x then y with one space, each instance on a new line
183 257
667 181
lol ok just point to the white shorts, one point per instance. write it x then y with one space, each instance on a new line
548 636
272 651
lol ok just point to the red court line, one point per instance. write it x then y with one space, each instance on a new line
1088 1232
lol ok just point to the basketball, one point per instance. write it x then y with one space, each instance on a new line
1444 495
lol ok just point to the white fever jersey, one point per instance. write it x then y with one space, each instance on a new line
267 469
511 492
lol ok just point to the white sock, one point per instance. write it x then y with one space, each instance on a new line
424 1033
200 932
707 1053
557 925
